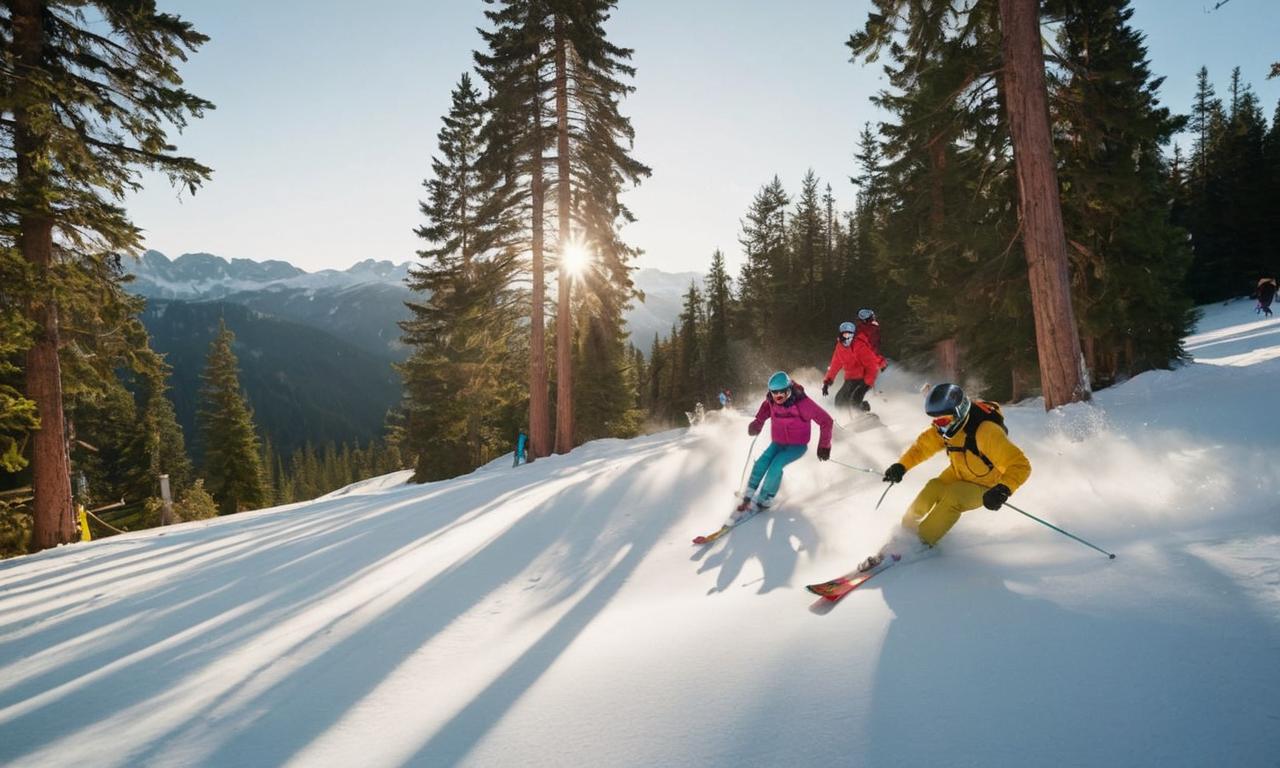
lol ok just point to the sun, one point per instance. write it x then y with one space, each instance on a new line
575 258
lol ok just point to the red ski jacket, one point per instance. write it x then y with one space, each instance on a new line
858 360
871 329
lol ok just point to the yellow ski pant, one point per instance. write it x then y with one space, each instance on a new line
938 507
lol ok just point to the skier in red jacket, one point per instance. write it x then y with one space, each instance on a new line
860 363
869 326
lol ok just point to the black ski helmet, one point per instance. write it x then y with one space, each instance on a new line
948 400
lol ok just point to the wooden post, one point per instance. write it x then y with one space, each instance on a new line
166 508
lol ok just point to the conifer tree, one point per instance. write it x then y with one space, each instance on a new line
808 237
691 374
461 381
1062 378
516 138
766 286
165 444
1130 260
88 106
719 295
594 163
232 463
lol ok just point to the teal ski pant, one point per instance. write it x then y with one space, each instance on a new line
769 468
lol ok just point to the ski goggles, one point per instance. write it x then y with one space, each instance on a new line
846 335
781 393
942 422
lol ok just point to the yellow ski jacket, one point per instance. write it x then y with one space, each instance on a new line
1010 463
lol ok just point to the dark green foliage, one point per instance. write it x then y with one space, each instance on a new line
721 371
766 290
937 218
17 413
232 465
464 383
305 384
1226 192
1129 260
310 472
88 91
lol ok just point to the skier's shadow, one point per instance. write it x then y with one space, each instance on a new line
774 538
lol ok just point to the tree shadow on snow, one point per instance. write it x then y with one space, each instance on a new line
1011 679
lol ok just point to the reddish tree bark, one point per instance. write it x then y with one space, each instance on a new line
1062 378
54 522
564 284
539 403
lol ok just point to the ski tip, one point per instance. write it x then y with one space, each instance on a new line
699 539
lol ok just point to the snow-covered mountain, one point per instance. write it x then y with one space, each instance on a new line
205 276
663 301
340 301
556 614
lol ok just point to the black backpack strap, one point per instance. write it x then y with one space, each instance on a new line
977 415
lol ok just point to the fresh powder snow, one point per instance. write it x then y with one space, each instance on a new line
556 614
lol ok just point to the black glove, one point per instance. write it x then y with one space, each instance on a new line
826 387
996 496
824 453
894 473
753 428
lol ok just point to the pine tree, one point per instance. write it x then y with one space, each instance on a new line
719 295
232 464
808 236
767 288
1062 378
594 162
461 379
89 106
166 445
516 138
1130 260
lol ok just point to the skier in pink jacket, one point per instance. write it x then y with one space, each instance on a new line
791 412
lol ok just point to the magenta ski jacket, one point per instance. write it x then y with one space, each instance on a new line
789 422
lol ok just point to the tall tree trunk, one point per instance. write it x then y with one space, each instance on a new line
947 357
51 478
1062 377
539 405
564 283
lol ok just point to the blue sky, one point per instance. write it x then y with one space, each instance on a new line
326 118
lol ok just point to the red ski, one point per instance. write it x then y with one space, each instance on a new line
840 586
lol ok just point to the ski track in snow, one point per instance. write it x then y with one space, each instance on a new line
556 614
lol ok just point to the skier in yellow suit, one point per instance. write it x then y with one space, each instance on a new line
985 466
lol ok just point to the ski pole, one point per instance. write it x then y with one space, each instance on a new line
859 469
886 493
1109 555
742 483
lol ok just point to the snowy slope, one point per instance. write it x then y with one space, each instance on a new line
557 614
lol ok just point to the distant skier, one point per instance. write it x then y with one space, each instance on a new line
726 398
790 412
986 467
854 355
1265 293
521 440
869 326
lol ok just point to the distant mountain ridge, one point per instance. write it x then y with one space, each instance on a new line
363 303
206 276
